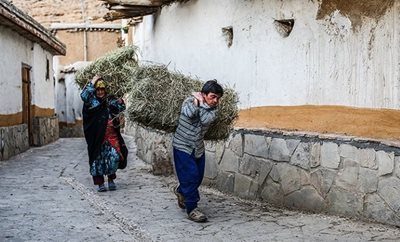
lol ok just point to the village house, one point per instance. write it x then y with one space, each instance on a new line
319 91
87 36
27 112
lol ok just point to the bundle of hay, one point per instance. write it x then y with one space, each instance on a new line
116 68
157 96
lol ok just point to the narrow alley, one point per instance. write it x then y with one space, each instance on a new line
47 195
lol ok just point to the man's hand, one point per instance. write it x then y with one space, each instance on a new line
198 98
95 79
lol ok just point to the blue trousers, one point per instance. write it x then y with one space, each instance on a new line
190 172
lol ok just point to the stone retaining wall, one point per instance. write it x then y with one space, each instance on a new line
71 132
318 173
13 140
44 130
153 147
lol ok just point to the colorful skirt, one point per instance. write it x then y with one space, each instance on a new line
107 161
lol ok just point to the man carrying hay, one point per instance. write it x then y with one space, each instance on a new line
106 147
197 113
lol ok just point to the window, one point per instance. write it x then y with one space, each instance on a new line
47 69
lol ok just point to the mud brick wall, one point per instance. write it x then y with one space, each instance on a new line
58 11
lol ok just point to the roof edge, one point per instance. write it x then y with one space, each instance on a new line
60 26
27 26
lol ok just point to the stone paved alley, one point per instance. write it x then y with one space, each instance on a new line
47 195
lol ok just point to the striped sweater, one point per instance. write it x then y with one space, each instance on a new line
193 124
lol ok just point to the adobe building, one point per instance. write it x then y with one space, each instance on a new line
318 83
87 36
27 113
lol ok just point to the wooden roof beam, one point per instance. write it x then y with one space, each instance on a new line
114 15
149 3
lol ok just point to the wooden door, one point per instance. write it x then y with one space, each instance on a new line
26 99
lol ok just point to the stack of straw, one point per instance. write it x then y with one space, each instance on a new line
116 68
155 95
156 98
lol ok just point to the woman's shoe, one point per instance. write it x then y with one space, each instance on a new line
102 188
112 186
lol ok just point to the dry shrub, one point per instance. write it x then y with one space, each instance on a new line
156 98
116 68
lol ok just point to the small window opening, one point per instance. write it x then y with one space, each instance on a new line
47 69
227 32
120 42
284 26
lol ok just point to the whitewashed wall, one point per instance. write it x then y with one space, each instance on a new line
69 102
74 102
14 50
322 62
61 101
42 87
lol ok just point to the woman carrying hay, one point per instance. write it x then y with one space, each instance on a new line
106 147
197 113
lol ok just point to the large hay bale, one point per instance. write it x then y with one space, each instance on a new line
116 68
157 96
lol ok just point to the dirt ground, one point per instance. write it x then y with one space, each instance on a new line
368 123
